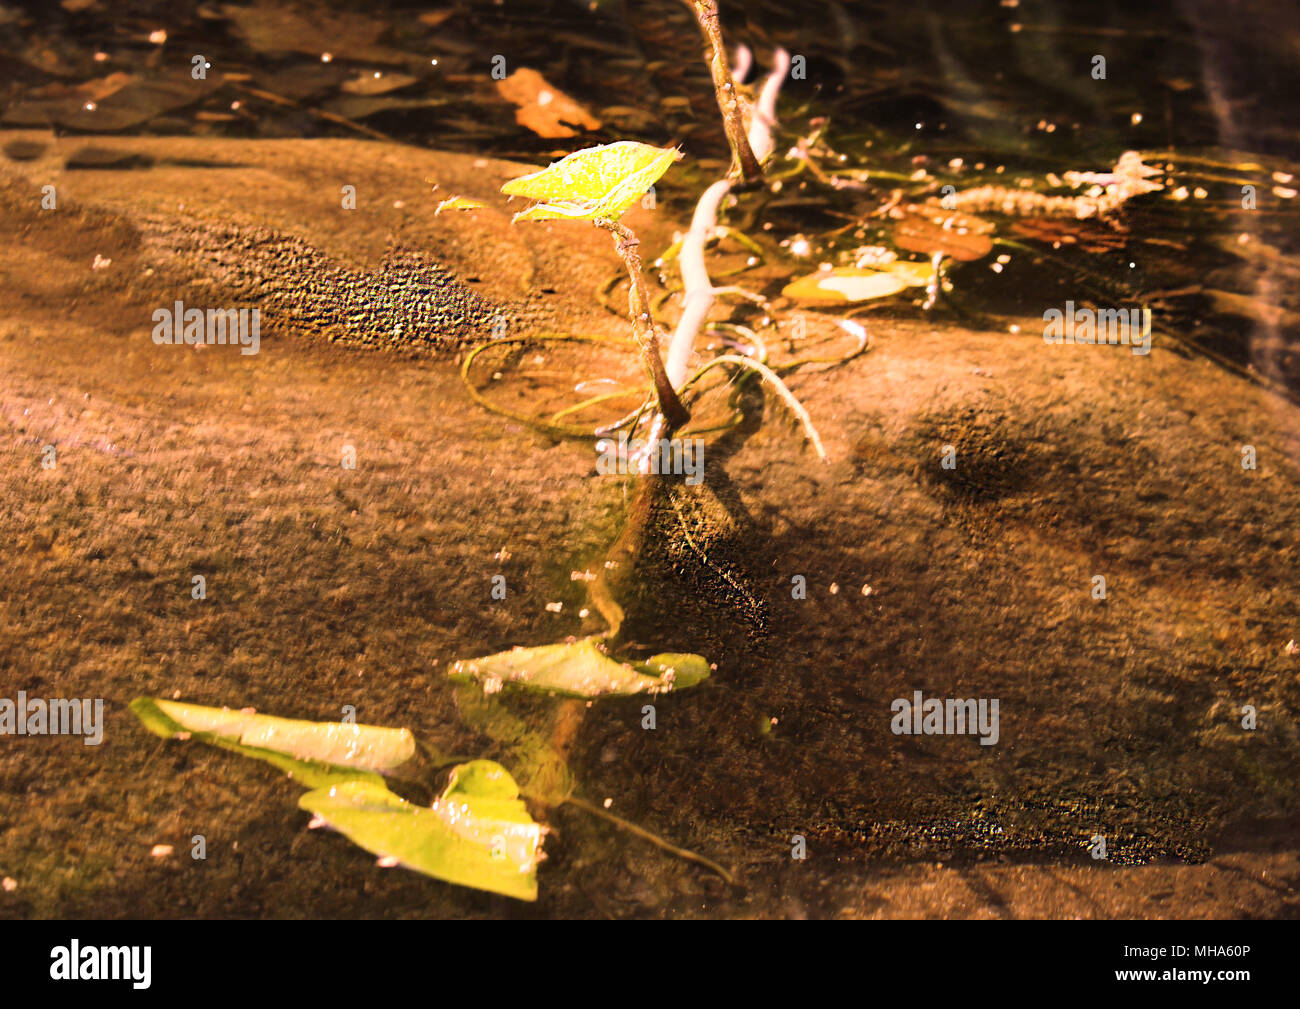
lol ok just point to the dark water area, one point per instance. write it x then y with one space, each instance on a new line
918 578
965 94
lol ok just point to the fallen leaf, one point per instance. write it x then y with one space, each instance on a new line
543 108
844 285
580 669
477 833
929 230
315 753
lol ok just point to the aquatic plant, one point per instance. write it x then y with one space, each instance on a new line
477 831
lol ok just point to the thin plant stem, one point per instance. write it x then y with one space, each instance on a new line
744 163
644 327
655 839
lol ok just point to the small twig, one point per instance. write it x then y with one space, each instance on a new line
654 839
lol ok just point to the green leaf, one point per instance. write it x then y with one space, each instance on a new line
477 833
687 669
596 182
580 669
315 753
843 285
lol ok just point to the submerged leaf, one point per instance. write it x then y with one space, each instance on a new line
338 747
926 230
580 669
310 773
596 182
477 833
686 668
846 284
542 107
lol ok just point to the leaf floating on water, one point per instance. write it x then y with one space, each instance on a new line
477 833
307 750
580 669
459 203
844 285
596 182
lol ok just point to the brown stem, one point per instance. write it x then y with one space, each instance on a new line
655 839
647 333
743 161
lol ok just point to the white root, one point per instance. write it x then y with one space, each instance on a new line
699 293
774 380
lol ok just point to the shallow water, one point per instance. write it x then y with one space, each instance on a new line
330 588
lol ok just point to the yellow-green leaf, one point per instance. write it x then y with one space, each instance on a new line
580 669
477 833
343 744
595 182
